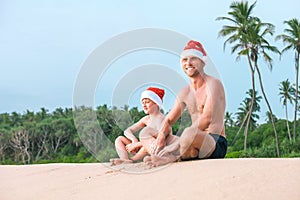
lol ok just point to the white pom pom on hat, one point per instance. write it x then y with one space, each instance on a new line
154 94
194 48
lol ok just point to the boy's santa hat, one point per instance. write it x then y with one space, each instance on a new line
154 94
194 48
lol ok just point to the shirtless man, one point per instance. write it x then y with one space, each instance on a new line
128 148
204 99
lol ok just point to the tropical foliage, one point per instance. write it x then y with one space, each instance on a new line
286 91
248 34
87 135
44 137
292 39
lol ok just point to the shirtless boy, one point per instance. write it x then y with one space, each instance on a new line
129 145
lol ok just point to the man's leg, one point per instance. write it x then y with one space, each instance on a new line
169 154
172 146
196 144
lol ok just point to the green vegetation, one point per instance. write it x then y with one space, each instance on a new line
261 141
249 35
44 137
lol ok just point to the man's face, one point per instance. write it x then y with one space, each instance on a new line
192 65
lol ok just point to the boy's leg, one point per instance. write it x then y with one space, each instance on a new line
120 144
147 137
139 155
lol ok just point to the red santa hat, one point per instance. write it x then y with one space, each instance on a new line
154 94
194 48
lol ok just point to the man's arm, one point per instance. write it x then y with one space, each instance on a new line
215 108
166 128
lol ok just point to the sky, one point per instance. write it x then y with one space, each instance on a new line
44 45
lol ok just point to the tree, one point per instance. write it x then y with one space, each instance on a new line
28 116
20 143
42 114
4 141
260 45
249 34
228 120
41 139
286 91
241 18
292 39
5 120
243 110
269 118
243 113
15 119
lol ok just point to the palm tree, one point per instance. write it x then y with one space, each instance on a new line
42 114
269 117
28 116
241 18
292 39
249 36
16 119
243 113
259 45
243 110
286 91
228 121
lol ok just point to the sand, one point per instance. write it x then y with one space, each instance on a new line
249 178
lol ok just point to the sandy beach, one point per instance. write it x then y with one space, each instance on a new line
248 178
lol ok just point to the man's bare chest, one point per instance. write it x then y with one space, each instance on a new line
196 101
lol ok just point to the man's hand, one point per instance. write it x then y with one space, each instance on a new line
171 148
158 144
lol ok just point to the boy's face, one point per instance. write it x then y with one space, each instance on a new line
148 105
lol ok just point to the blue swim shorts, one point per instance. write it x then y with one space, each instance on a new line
221 146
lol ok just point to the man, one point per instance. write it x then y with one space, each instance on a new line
204 98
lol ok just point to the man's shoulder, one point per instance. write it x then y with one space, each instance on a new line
213 81
184 91
212 78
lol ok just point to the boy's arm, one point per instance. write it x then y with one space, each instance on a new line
129 132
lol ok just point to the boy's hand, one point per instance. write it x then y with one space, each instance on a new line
133 147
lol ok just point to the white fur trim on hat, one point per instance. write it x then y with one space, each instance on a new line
193 52
152 96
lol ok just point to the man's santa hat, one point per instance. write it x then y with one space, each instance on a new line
194 48
154 94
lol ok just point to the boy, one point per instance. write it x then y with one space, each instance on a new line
152 100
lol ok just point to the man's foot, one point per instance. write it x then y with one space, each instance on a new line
118 161
147 159
155 161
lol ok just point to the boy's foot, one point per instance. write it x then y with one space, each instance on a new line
118 161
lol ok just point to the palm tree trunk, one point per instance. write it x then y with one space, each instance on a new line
296 95
244 120
270 110
250 113
251 106
287 123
